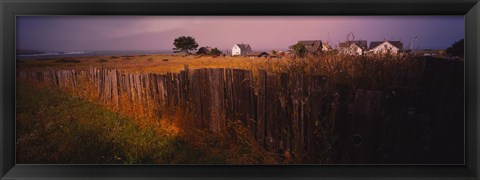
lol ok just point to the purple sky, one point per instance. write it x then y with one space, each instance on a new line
77 33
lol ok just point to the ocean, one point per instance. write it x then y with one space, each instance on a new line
50 55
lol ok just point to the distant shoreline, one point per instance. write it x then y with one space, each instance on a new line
50 55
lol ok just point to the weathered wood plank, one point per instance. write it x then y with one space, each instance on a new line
366 117
284 111
217 99
229 100
272 121
243 98
261 111
197 97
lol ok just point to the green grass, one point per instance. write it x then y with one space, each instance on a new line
55 128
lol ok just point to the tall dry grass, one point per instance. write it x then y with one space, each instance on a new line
374 72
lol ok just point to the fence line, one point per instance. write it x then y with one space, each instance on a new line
290 113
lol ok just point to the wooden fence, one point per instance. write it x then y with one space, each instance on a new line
305 115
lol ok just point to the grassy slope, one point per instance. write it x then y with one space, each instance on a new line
53 127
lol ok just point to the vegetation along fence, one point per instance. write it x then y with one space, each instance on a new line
307 117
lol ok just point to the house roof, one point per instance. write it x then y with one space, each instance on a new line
312 45
205 49
397 44
360 43
243 46
256 53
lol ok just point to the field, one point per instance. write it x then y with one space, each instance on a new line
140 63
237 110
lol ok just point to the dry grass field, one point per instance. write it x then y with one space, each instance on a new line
160 64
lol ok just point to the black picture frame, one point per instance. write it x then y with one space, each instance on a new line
11 8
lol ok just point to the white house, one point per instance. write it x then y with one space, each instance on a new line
326 46
241 49
379 47
353 47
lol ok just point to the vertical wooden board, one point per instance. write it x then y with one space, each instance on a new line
68 78
173 90
115 87
229 100
57 78
74 77
217 99
104 84
154 87
250 103
60 79
184 88
138 87
261 111
146 85
161 94
176 89
243 97
196 97
121 83
161 91
238 77
169 88
145 90
294 115
127 86
272 121
142 89
135 85
180 88
108 82
363 134
316 102
300 98
133 93
284 111
205 98
99 82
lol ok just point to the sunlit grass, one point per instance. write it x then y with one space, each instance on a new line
54 127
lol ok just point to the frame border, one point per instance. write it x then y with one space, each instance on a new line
11 8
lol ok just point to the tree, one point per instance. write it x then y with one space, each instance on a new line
299 49
215 52
457 49
274 52
184 44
